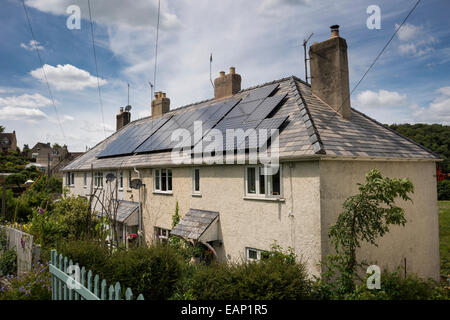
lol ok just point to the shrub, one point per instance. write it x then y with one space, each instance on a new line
152 271
8 262
33 285
395 286
276 277
444 190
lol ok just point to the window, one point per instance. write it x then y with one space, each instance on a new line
196 180
121 180
98 179
163 180
253 254
70 178
161 234
129 180
258 183
85 179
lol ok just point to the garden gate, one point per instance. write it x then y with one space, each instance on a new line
65 287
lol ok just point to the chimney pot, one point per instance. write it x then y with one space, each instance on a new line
160 105
232 70
334 31
222 74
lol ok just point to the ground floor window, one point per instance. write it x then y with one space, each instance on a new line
161 234
252 254
70 178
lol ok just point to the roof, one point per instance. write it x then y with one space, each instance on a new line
194 224
125 210
312 129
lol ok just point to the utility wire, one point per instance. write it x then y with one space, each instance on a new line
96 69
378 56
43 70
156 46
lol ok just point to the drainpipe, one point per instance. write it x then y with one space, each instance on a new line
140 213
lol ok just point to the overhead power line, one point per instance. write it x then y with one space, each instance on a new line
96 68
43 71
379 55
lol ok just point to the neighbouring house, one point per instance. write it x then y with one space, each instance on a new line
8 141
237 207
57 156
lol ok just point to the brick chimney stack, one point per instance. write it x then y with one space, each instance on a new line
329 72
227 84
123 118
160 105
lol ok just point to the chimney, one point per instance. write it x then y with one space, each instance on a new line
227 84
160 105
329 72
123 118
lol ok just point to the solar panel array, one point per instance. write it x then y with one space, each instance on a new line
132 137
251 112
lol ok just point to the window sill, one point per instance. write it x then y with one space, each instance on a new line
197 195
120 189
168 193
264 199
129 190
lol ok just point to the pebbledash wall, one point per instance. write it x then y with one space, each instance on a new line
312 196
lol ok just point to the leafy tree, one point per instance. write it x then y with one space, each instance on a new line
2 129
444 190
367 216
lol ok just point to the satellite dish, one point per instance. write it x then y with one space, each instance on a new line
110 177
128 108
136 183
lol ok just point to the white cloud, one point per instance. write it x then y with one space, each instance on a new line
438 110
25 101
18 113
141 14
415 40
67 77
32 44
380 99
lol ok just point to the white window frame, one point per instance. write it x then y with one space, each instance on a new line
196 192
70 179
85 180
98 177
130 177
258 254
161 234
157 181
121 181
268 183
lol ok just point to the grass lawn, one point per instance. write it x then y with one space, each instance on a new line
444 235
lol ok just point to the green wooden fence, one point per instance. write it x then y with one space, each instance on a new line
65 287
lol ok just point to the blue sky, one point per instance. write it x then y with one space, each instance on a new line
261 38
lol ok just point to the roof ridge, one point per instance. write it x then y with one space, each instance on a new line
397 133
314 136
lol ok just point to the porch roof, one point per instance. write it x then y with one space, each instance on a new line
198 225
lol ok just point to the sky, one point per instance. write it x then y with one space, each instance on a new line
262 39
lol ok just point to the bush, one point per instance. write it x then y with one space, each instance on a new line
444 190
395 286
33 285
152 271
276 277
8 262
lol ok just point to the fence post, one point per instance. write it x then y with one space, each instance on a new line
118 291
103 295
96 280
128 294
60 284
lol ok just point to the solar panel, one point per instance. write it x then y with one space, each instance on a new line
132 137
209 116
266 107
260 93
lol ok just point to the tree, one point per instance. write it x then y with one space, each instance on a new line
2 129
367 216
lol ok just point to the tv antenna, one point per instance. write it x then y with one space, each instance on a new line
210 64
128 94
151 90
305 41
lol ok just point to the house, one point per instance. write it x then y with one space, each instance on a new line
237 206
57 156
8 141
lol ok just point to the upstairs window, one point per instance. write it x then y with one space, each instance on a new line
121 180
129 180
85 179
258 183
163 180
98 179
196 180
